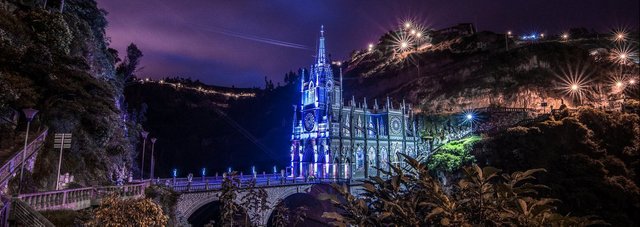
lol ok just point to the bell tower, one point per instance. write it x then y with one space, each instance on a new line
317 91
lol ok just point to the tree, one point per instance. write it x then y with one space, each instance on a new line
283 216
591 157
255 203
482 197
114 211
228 194
129 65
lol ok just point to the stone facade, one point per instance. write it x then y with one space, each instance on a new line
334 140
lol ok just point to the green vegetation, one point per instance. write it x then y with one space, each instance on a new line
59 63
591 156
453 155
483 197
166 198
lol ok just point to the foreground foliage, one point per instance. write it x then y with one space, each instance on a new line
591 155
114 211
283 216
483 196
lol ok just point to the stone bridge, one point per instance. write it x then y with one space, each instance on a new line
196 196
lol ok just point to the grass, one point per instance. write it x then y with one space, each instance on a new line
453 155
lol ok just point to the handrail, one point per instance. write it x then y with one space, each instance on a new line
79 198
4 210
503 109
270 180
9 167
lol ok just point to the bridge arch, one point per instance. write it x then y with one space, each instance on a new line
190 202
308 199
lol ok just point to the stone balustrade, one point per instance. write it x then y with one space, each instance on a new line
261 180
80 198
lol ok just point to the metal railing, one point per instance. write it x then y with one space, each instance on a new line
12 165
503 109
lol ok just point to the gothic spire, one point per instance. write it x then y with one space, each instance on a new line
322 59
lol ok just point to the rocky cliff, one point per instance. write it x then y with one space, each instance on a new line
58 62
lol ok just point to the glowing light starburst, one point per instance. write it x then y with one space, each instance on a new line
402 42
619 35
574 81
618 82
407 24
623 54
470 117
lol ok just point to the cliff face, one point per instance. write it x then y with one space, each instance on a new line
476 71
59 64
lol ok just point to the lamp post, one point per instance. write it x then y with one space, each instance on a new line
29 113
144 143
153 163
470 119
506 40
62 141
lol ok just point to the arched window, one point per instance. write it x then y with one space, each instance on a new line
359 158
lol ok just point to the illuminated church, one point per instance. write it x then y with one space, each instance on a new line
332 139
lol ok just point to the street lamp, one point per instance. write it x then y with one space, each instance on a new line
370 48
506 40
144 143
404 45
470 119
574 87
619 84
407 25
620 36
153 163
29 113
565 36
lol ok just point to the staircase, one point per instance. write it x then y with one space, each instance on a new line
15 212
11 167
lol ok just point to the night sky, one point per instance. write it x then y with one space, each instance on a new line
240 42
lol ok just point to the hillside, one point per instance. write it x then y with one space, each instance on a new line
59 63
474 71
591 155
200 126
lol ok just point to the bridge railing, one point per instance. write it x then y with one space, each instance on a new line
503 109
12 165
54 200
79 198
244 182
130 190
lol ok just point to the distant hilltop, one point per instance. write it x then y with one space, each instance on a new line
458 68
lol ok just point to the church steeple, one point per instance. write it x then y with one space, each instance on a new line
322 59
